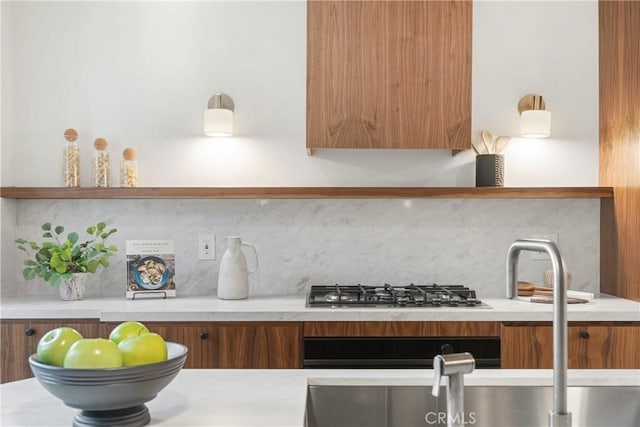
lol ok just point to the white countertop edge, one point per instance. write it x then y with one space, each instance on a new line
253 398
519 377
292 308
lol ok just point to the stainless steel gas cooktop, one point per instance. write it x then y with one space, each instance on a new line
386 295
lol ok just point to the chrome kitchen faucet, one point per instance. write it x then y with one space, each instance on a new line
559 416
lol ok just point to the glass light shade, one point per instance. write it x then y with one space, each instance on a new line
535 124
218 122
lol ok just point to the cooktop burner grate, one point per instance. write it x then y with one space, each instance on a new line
386 295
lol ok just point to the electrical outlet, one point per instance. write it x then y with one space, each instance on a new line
548 236
207 247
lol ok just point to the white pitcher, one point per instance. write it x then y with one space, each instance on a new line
233 279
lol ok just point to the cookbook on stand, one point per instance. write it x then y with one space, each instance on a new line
150 269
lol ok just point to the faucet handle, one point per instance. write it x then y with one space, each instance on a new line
438 369
451 364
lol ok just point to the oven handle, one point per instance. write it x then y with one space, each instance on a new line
392 363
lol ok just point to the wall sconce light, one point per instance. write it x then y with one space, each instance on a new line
535 121
218 119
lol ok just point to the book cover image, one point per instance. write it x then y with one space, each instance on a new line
151 267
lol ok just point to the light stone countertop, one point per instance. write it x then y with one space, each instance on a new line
292 308
254 398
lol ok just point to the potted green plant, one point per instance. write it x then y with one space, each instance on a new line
65 262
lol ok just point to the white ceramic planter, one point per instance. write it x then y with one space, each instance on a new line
73 288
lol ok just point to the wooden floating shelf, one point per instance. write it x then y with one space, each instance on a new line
307 193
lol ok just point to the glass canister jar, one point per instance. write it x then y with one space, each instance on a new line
129 168
71 159
100 167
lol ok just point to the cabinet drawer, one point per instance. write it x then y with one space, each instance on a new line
591 346
20 340
235 345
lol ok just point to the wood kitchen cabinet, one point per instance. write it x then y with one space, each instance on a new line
231 345
259 345
590 345
389 74
20 339
619 32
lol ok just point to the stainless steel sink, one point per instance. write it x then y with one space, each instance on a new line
484 406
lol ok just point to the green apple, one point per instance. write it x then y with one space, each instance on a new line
53 346
127 330
93 353
143 349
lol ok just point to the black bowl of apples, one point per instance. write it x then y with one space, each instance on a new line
108 379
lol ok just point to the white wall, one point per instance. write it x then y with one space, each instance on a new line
2 204
7 207
549 48
6 94
140 74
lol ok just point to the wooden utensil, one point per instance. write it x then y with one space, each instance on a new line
526 289
479 146
501 143
487 138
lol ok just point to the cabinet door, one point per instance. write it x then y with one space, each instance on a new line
260 346
601 347
200 339
590 347
389 74
20 340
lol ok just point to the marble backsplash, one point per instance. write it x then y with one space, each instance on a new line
303 242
